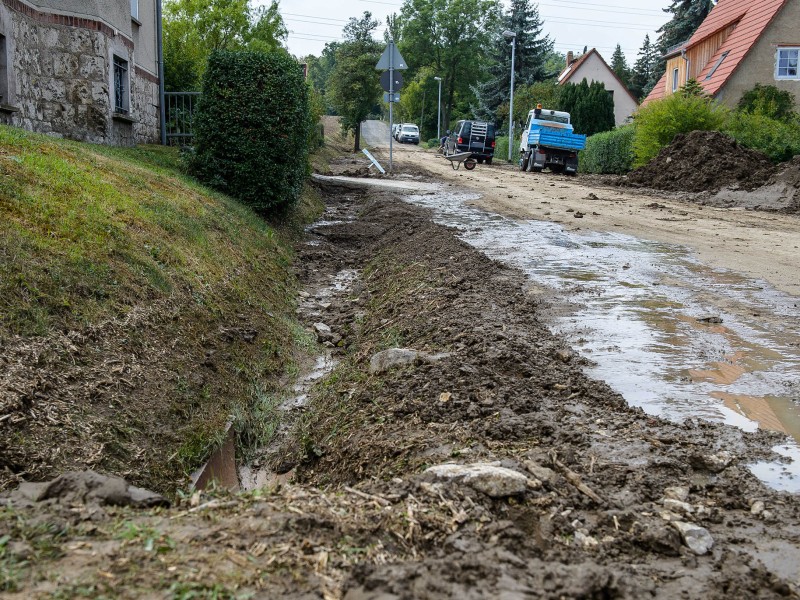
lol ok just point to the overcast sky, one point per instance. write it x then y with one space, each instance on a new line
571 24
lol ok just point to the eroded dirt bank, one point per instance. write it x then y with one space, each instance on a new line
588 498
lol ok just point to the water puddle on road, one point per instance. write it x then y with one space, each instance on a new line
673 336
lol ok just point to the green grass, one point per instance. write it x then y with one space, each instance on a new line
91 234
86 230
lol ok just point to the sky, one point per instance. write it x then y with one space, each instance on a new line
572 25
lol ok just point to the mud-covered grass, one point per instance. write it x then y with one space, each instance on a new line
138 311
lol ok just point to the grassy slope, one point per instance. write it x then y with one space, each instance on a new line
135 265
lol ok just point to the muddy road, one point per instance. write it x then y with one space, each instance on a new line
455 447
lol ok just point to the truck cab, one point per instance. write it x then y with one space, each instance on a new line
548 140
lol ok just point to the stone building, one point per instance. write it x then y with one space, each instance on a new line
81 69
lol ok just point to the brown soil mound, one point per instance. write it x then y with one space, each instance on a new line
704 161
781 193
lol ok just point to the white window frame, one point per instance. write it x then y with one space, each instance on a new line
135 9
788 49
676 79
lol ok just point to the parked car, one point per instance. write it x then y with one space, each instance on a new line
396 130
408 133
476 137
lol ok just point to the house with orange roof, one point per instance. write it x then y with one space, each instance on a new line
739 44
592 67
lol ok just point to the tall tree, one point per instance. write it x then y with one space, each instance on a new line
645 74
353 87
686 18
319 72
450 37
532 50
620 66
193 29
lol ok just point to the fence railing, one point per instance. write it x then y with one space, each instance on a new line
179 110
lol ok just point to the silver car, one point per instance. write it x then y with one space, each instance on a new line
408 133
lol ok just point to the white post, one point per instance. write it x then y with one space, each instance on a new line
511 100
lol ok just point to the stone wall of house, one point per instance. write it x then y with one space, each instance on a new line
60 81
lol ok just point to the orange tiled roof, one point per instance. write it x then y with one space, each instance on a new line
751 18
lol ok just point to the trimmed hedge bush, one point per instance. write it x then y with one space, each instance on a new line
609 152
252 128
780 140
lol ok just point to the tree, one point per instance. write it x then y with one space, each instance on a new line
450 37
319 72
531 52
354 87
193 29
620 66
687 15
769 101
643 77
591 107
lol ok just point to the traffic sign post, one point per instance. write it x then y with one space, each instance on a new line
391 62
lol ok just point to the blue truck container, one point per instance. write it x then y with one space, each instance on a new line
549 141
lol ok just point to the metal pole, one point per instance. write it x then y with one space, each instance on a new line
439 110
391 99
422 112
511 101
162 115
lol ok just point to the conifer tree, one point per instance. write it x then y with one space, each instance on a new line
620 66
643 77
687 15
532 50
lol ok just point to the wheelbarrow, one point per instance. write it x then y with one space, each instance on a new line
461 157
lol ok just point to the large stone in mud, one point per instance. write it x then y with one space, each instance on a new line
391 358
489 478
88 487
696 538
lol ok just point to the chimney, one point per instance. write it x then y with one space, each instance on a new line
569 58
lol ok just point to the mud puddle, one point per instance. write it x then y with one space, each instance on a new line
673 336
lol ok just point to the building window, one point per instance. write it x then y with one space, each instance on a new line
718 63
4 99
122 94
675 80
787 63
135 9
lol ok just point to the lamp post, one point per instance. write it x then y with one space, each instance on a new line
513 36
439 110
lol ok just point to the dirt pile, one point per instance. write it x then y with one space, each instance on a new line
780 193
704 161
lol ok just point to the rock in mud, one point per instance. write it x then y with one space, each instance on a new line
696 538
716 463
488 478
323 331
87 488
391 358
676 493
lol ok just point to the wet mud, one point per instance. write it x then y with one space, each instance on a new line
588 498
508 392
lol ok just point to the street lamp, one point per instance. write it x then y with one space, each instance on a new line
513 37
439 110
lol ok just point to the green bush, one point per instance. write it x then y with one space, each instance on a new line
501 149
433 143
769 101
609 152
658 122
780 140
252 128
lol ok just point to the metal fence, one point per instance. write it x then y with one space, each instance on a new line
179 109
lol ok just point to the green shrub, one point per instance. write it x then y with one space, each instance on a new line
501 150
769 101
433 143
658 122
252 128
780 140
609 152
